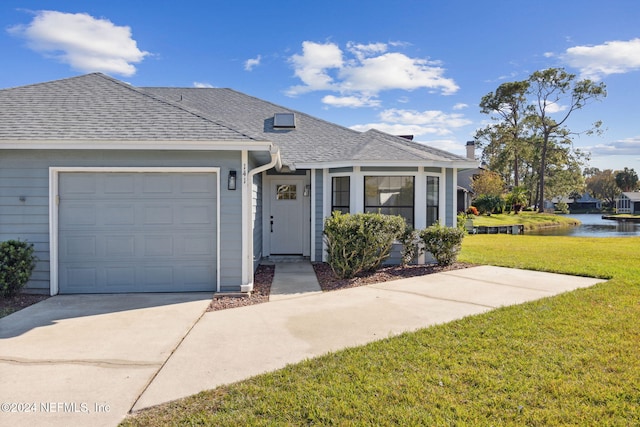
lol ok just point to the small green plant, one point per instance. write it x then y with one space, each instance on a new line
17 262
443 242
360 242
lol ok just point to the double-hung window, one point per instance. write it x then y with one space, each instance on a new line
340 194
433 199
390 195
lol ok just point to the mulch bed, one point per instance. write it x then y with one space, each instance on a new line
262 280
329 282
18 302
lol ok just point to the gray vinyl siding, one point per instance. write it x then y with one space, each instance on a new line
319 225
450 194
25 173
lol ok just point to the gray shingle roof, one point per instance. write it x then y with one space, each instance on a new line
312 141
97 107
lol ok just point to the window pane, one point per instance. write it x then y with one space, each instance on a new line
286 192
433 199
340 197
390 195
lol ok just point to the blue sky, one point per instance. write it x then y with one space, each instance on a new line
402 66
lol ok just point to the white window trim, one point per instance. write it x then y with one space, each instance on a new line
54 175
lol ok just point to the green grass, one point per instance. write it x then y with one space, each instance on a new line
572 359
530 220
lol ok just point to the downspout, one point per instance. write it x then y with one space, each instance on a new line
276 162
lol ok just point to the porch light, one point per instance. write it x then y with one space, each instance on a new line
231 181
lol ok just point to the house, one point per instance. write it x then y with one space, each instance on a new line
127 189
465 179
586 202
628 202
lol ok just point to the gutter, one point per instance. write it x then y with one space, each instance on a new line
276 162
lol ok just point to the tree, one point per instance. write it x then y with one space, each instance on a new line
488 183
509 102
517 198
529 140
555 90
627 180
602 185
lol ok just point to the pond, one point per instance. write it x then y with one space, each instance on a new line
592 226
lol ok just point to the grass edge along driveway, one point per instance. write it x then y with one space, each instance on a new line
572 359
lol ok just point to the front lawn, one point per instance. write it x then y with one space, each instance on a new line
572 359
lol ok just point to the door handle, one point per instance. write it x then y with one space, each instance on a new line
272 226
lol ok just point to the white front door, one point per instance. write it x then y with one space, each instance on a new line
286 225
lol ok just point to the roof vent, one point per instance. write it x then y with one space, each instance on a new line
284 120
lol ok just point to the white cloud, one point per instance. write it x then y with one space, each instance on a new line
626 147
350 101
366 71
312 66
552 107
411 122
249 64
460 106
202 85
86 43
613 57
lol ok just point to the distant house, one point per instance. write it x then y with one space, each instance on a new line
628 202
585 202
465 179
128 189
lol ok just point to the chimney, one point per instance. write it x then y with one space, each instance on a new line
471 150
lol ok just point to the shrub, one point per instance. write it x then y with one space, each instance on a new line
410 246
487 204
472 210
360 242
443 242
17 262
562 207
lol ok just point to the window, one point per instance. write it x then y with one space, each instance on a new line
340 194
284 120
286 192
433 199
390 195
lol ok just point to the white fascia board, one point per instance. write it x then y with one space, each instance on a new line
187 145
462 164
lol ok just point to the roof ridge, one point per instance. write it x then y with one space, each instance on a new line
193 112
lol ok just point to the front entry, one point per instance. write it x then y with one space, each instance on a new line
286 214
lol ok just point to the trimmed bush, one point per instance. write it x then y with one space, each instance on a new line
410 246
17 262
487 204
443 243
360 242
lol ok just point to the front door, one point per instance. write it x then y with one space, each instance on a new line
286 217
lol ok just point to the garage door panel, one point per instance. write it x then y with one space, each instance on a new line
146 240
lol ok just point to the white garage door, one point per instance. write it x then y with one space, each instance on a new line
137 232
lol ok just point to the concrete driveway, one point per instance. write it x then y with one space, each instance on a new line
85 359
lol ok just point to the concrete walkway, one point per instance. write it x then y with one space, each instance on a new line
293 279
231 345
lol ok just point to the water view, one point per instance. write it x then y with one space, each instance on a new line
592 226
